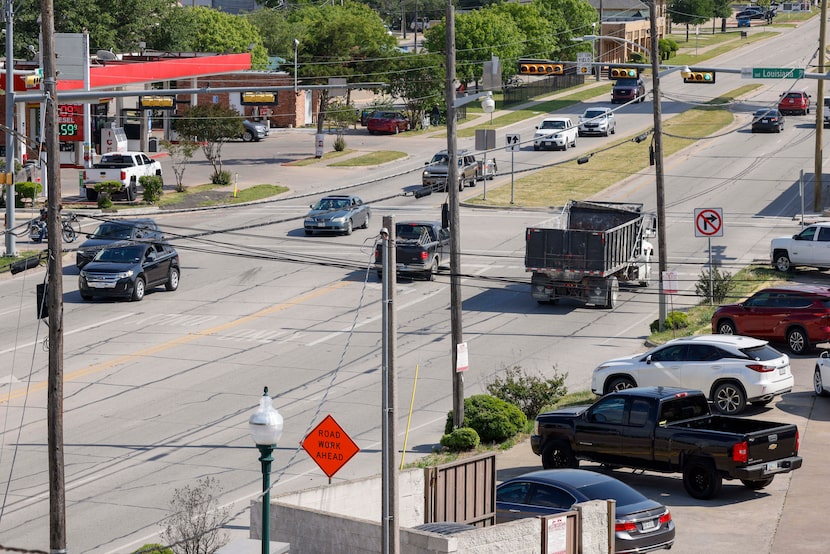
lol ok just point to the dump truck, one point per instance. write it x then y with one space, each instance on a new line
591 248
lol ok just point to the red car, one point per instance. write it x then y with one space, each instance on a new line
387 122
798 315
797 103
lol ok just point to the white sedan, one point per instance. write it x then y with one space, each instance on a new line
821 377
730 369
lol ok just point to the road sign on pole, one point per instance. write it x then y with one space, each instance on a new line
330 446
708 222
513 143
772 72
583 62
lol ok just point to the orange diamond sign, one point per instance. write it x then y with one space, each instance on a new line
330 446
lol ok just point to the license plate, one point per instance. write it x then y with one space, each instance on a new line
649 525
321 224
772 466
101 285
782 370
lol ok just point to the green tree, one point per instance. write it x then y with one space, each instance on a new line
419 81
691 12
568 19
722 9
212 125
222 32
277 32
538 39
180 154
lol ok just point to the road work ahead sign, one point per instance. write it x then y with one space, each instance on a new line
330 446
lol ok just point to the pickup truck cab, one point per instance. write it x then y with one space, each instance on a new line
421 248
555 132
668 430
810 247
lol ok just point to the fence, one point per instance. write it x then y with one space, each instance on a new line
542 87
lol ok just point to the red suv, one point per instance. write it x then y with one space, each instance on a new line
798 315
797 103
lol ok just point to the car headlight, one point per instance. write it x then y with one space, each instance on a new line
124 274
340 219
426 173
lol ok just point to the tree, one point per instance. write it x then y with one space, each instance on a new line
211 125
691 12
722 9
419 80
180 154
568 19
538 41
195 526
222 32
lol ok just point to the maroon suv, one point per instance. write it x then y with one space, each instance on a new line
798 315
797 103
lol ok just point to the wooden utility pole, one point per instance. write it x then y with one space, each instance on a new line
818 204
54 286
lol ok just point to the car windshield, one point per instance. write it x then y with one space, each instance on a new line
766 113
622 493
118 231
626 82
439 159
129 254
590 114
332 204
762 353
552 125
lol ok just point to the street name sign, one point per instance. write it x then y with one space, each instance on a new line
772 72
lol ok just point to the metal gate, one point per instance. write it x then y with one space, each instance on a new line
463 491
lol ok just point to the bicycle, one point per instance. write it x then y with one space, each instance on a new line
70 228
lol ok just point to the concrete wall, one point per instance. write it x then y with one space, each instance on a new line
345 518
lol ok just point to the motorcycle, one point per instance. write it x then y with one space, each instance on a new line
70 228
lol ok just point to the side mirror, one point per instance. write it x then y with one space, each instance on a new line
648 359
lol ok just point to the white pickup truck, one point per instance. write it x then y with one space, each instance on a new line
555 132
810 247
127 167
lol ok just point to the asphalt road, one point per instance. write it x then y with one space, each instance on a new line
158 393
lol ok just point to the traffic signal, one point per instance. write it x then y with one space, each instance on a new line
706 77
252 98
31 81
622 72
541 68
156 102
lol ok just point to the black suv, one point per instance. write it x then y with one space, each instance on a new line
626 90
116 233
130 271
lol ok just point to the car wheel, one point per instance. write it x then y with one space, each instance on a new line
536 147
308 232
138 289
757 484
365 223
613 293
172 279
461 184
557 455
130 191
729 398
726 327
349 228
797 341
91 195
818 385
619 383
371 132
778 128
782 261
85 296
396 131
613 130
606 133
700 479
247 136
433 269
573 144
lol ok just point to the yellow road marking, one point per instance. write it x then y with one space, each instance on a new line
190 337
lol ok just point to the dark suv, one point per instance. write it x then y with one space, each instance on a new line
130 271
626 90
116 233
798 315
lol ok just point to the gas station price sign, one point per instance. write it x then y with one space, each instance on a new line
71 122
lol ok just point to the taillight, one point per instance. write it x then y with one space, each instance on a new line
85 176
378 255
665 518
797 441
625 526
740 452
424 255
760 368
123 175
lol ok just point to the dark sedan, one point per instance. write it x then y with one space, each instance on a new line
641 524
767 120
387 122
116 233
339 214
130 271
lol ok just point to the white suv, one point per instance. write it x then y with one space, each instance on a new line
731 370
597 121
555 132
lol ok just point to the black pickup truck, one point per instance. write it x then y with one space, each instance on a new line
668 430
421 247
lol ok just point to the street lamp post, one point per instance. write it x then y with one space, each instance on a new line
296 47
265 426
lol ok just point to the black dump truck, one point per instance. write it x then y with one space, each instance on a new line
668 430
594 246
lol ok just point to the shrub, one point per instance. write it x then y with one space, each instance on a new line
109 187
104 200
152 188
153 549
492 418
339 143
27 189
463 438
528 392
722 285
221 178
197 520
674 320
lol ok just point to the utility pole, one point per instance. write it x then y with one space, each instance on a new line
455 224
54 287
11 140
819 156
657 145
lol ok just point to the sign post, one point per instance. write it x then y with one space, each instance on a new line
709 223
513 144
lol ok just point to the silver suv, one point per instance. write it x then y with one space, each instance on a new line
597 121
435 174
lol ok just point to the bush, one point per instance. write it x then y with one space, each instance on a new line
339 143
104 200
674 320
27 189
109 187
463 438
528 392
152 188
221 178
153 549
722 285
492 418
